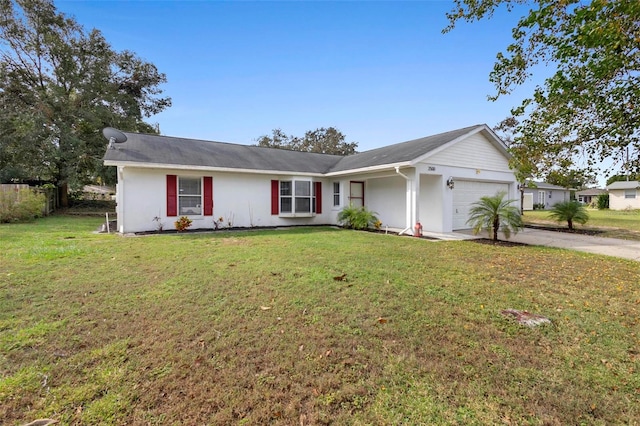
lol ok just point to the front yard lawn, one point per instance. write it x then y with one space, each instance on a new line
309 326
611 223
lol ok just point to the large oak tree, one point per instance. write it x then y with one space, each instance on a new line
587 110
60 85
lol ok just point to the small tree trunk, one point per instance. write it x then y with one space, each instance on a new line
496 225
63 193
570 222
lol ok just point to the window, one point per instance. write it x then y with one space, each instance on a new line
629 193
189 196
541 197
336 194
296 197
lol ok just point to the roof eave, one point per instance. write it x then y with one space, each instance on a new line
206 168
369 169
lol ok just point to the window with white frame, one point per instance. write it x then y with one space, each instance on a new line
541 197
189 196
297 197
336 194
629 193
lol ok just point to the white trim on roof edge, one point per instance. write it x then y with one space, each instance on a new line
369 169
206 169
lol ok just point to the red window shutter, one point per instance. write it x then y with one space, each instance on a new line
318 189
208 196
275 197
172 195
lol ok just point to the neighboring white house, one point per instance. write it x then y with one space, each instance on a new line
433 180
544 195
587 196
624 195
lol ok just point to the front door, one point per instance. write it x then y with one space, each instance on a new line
356 194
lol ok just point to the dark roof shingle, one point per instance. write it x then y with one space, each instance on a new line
166 150
143 148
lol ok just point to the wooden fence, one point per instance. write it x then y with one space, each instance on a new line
51 195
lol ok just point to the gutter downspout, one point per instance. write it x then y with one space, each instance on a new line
408 202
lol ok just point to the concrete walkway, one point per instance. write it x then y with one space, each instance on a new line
625 249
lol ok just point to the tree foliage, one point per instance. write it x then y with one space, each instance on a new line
60 85
495 213
587 110
570 212
322 140
602 201
571 179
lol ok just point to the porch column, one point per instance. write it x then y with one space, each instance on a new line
411 201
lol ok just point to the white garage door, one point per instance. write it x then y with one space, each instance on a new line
467 192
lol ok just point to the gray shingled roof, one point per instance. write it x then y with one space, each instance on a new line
592 191
624 184
400 152
165 150
143 148
545 185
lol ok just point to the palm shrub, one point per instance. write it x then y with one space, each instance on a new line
570 212
357 218
494 213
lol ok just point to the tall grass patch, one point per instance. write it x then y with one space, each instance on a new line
20 205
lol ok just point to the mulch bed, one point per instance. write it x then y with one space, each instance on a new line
581 231
501 243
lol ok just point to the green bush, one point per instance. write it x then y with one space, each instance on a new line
602 201
358 218
20 206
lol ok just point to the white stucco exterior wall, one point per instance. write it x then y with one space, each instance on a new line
386 197
430 208
617 200
243 198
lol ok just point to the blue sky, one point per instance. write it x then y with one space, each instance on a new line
380 72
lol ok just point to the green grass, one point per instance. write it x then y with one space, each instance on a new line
251 328
612 223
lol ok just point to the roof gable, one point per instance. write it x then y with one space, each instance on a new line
411 151
478 149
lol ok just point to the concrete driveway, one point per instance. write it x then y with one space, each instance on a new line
608 246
